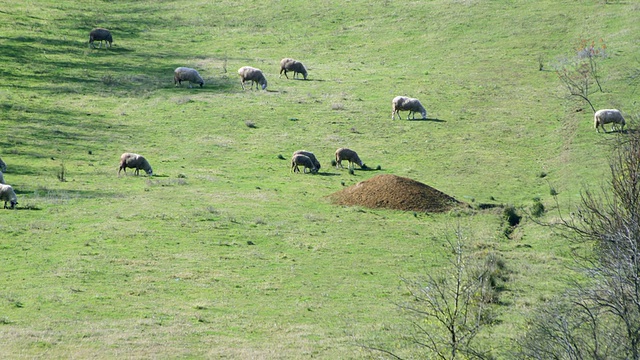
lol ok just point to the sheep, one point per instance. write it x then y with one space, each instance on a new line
606 116
299 159
403 103
187 74
8 196
350 155
3 166
101 35
310 155
131 160
253 74
297 67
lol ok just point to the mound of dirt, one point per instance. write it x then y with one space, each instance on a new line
394 192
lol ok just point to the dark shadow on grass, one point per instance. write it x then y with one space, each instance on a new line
369 169
618 131
116 49
429 119
27 208
22 169
142 175
327 174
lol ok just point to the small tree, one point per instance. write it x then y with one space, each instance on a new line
580 74
449 307
600 318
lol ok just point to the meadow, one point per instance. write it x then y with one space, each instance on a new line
224 253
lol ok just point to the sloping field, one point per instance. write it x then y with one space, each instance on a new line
224 253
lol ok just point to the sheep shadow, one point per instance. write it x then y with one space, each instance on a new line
370 169
116 49
619 131
429 119
28 207
326 174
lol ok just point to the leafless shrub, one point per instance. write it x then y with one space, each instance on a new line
600 317
450 307
581 73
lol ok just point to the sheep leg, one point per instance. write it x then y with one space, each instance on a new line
285 73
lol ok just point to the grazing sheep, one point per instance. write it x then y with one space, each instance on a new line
310 155
296 66
101 35
130 160
299 159
187 74
349 155
606 116
255 75
8 196
403 103
3 166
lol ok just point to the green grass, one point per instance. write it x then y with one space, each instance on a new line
104 266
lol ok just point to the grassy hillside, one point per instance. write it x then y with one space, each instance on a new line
225 253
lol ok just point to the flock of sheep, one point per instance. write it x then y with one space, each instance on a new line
256 77
303 158
309 161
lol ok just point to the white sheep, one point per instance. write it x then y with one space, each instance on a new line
310 155
256 76
288 64
606 116
187 74
101 35
131 160
8 196
349 155
3 166
299 159
403 103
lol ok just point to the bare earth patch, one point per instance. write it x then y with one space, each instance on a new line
394 192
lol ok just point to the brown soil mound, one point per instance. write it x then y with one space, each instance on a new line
394 192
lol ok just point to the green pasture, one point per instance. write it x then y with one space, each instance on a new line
225 253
